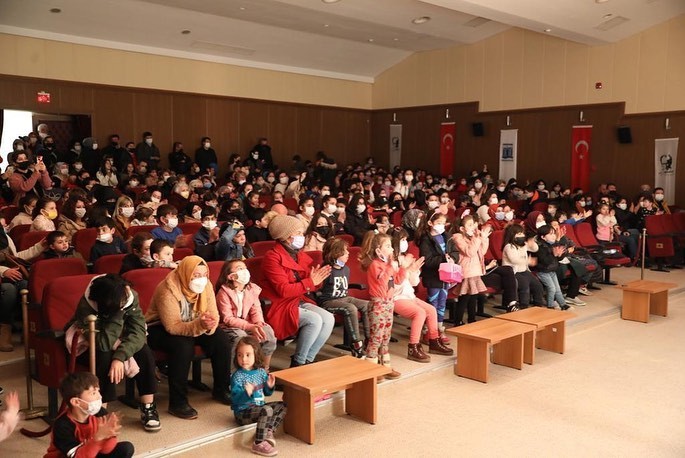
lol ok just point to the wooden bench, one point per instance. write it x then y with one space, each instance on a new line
301 385
506 338
550 326
642 298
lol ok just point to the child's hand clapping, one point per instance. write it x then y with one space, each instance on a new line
558 250
249 389
108 426
271 381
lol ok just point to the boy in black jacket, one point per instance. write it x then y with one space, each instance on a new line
107 242
549 253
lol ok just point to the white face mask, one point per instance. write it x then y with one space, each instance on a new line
658 197
93 407
209 225
19 148
539 224
433 204
409 178
509 216
185 194
208 145
361 208
243 276
126 211
494 201
309 211
155 200
80 212
283 180
197 285
106 237
472 193
197 214
404 246
298 242
331 208
582 203
172 222
148 141
95 146
478 185
622 206
541 187
501 188
439 228
325 193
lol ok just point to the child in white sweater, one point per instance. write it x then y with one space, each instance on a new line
515 253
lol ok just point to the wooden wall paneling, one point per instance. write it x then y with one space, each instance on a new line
282 131
309 133
223 126
333 136
76 99
189 123
465 144
254 123
11 94
113 112
357 136
153 113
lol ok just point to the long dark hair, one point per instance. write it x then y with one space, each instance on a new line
225 272
510 233
258 355
424 229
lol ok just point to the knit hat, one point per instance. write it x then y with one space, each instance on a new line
282 227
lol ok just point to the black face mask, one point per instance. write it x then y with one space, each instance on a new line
49 145
23 165
520 241
322 230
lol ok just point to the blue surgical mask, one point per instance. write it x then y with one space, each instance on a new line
339 263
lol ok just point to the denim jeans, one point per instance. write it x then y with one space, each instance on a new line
437 297
315 326
551 283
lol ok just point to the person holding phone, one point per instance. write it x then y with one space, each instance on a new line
28 179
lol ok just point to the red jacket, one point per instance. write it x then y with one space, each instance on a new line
284 290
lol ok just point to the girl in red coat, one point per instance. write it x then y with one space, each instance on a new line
290 278
376 256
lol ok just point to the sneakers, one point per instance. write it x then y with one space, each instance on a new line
149 417
393 375
567 308
264 448
270 437
575 301
415 353
358 349
183 411
513 307
584 291
556 307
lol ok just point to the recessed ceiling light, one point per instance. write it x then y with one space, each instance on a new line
330 1
370 40
185 32
548 30
55 10
242 8
601 1
326 25
395 39
607 16
421 20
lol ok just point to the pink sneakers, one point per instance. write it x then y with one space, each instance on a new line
264 448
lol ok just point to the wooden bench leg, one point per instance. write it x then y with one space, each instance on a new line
472 359
635 306
299 421
552 337
360 400
509 352
529 347
658 303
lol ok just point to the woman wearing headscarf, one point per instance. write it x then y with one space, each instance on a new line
183 314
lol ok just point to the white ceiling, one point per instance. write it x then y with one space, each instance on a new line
351 39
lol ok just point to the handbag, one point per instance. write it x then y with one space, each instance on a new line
450 272
12 262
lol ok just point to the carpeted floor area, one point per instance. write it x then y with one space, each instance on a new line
616 392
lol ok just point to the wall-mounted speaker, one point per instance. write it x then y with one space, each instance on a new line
477 128
624 135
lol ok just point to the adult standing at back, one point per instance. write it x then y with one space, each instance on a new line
205 156
147 151
25 180
183 314
264 150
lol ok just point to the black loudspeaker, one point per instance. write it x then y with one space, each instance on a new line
477 128
624 135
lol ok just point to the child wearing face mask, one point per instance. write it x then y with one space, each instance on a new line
123 215
333 295
44 215
548 256
121 349
660 201
318 231
83 427
240 312
307 211
167 216
376 256
139 257
144 216
107 241
516 251
432 243
207 235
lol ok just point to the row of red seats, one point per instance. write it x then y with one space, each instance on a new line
665 233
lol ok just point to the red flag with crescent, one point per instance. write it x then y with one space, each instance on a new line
447 130
580 157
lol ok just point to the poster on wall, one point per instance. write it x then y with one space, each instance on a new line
508 141
665 157
581 139
447 131
395 145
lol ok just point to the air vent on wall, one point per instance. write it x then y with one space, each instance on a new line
476 22
611 23
222 48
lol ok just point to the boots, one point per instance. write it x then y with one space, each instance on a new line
415 353
393 373
294 363
6 337
358 349
437 347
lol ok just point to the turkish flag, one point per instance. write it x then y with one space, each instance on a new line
580 157
447 130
